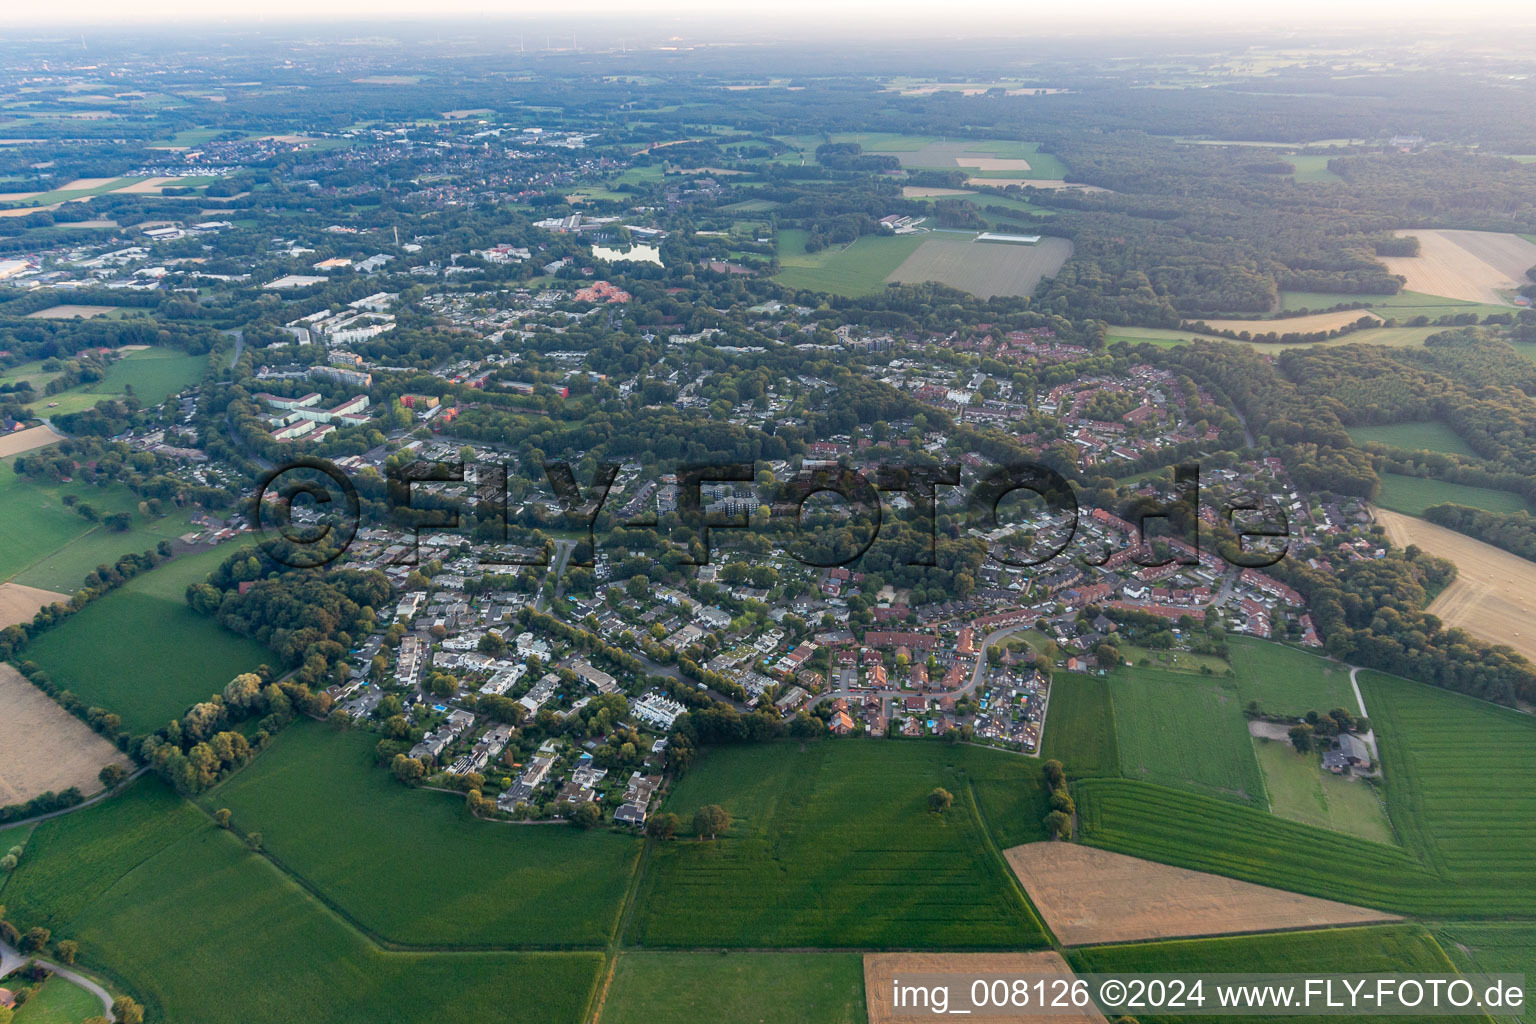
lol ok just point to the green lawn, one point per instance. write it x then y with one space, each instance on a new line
203 931
1301 790
833 845
1461 794
58 1002
413 866
1080 726
1405 949
764 988
857 268
154 374
115 653
1286 681
1411 495
1174 661
1432 436
1180 729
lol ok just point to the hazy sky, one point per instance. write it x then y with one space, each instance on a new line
971 17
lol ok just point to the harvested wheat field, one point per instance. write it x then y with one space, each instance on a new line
69 312
25 440
1309 324
1472 265
882 970
18 603
1494 593
44 748
1089 896
148 185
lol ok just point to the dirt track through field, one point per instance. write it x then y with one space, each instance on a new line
1088 896
18 603
882 970
26 440
1494 593
1471 265
43 747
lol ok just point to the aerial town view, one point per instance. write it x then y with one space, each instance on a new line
658 514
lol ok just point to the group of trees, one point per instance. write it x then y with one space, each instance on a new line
1058 822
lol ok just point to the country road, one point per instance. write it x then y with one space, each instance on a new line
11 958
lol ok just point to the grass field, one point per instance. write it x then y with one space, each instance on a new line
858 268
1492 949
1393 337
1431 436
114 652
1411 495
412 866
983 268
1179 729
1080 726
1177 661
44 543
1300 790
1286 681
765 988
203 931
1460 791
58 1002
154 374
1311 168
833 845
1402 948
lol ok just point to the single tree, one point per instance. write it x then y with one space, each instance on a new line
112 775
66 950
586 815
1055 772
222 816
1058 824
1301 737
34 940
940 800
127 1011
663 825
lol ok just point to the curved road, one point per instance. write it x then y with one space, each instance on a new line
11 958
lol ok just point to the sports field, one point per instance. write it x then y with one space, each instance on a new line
114 652
1089 896
1301 790
174 908
412 866
1286 681
764 988
1494 593
1181 729
858 268
984 269
833 845
1411 495
1429 436
1477 266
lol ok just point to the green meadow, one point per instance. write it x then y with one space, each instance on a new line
1184 729
412 866
1411 495
1429 436
142 653
1287 681
1299 789
154 374
1080 726
58 1001
857 268
832 844
765 988
203 931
